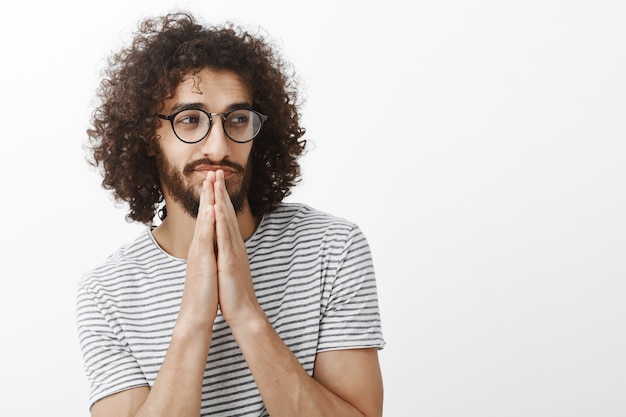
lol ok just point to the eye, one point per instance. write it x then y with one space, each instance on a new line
238 119
190 119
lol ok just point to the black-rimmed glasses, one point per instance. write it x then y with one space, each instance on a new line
193 125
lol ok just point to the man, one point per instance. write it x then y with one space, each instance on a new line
236 304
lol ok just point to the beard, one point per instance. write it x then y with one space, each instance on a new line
186 193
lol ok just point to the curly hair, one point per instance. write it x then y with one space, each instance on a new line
141 76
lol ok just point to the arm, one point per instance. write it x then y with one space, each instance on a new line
353 375
345 383
177 389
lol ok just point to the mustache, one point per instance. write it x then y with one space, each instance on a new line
190 167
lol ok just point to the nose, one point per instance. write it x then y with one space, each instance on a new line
216 144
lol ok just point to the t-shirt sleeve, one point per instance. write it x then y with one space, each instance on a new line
350 312
109 365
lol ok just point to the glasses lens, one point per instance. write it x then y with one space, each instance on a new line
242 125
191 125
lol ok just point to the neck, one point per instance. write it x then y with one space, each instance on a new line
175 233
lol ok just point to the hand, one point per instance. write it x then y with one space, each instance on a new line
236 292
200 294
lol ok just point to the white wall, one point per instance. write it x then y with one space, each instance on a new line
480 146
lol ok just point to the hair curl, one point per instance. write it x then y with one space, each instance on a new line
141 76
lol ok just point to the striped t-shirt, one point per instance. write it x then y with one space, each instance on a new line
313 276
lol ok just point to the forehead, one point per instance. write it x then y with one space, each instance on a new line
212 88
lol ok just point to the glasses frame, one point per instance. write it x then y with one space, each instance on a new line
224 116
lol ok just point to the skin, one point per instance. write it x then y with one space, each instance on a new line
345 382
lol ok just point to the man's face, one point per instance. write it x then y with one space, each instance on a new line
184 166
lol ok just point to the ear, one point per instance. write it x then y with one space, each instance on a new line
150 151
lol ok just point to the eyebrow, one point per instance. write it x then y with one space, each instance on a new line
200 106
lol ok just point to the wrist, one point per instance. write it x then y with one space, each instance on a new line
192 333
251 323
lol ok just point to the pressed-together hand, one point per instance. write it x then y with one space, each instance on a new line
217 266
236 293
200 295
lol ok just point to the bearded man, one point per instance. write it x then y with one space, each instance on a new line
231 301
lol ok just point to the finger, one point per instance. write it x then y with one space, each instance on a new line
210 180
206 217
220 189
226 218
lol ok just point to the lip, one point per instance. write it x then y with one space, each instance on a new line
203 169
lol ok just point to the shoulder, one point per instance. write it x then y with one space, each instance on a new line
302 216
125 262
308 227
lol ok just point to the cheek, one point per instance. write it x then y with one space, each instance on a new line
242 153
175 151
